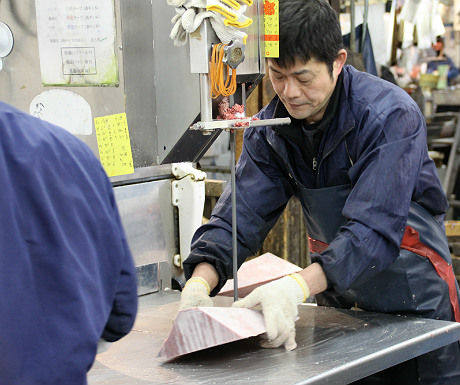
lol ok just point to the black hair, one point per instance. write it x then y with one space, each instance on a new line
308 29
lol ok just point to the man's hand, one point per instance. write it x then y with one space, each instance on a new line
195 293
279 300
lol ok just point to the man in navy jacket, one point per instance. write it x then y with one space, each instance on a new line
67 278
355 155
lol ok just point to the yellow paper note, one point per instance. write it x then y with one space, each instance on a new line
271 25
114 145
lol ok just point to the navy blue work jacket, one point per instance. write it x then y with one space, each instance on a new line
67 277
376 143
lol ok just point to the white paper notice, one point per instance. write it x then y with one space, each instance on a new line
76 41
63 108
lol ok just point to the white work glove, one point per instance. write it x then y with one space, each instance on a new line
103 346
195 293
227 33
225 20
232 11
178 33
279 300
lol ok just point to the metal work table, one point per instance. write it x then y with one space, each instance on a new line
334 347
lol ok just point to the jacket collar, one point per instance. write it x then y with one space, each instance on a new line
343 121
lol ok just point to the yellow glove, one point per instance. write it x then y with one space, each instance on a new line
279 300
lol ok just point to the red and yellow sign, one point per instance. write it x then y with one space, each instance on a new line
271 26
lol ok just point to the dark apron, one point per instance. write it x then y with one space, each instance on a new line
420 282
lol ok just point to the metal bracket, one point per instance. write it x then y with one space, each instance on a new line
188 195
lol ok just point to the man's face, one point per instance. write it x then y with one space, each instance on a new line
304 88
438 46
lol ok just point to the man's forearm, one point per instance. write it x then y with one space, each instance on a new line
315 278
208 273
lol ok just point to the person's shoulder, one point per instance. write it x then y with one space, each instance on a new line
11 118
42 141
10 115
19 127
4 108
372 90
23 125
357 78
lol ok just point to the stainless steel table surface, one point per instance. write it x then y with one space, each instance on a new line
334 347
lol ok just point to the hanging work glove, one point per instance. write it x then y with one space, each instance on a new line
226 20
228 32
279 300
195 293
178 33
232 11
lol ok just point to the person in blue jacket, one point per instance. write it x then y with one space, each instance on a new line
67 278
442 59
355 155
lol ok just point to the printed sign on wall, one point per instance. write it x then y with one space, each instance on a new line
76 42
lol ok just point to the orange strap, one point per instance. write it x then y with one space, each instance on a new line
316 246
411 242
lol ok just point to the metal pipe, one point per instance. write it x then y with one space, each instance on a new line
234 226
269 122
242 123
205 99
